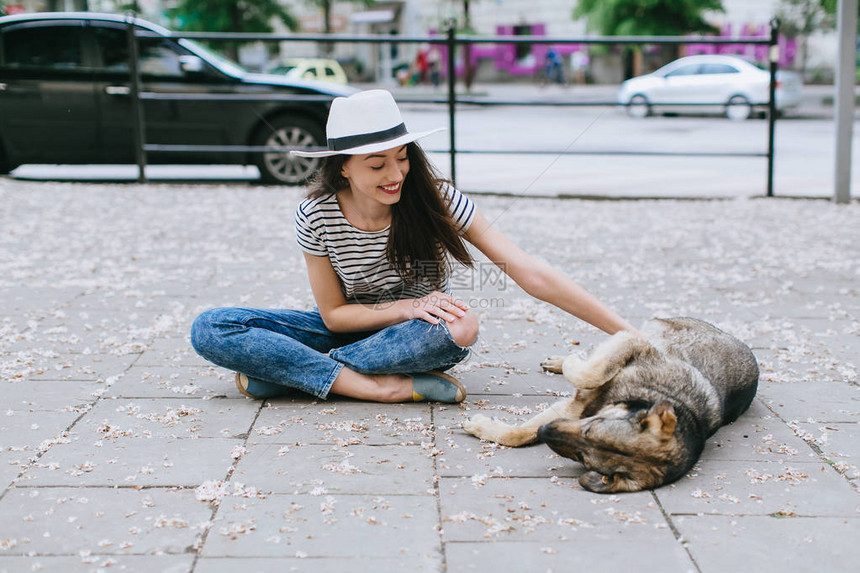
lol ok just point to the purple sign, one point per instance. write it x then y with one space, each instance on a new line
758 53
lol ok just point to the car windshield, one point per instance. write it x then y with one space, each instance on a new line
216 59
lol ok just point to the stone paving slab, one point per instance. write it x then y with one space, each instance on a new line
166 418
101 521
317 564
460 455
300 420
758 435
25 434
580 553
84 367
814 401
464 458
544 509
49 396
106 401
11 465
313 526
357 469
132 461
171 352
838 443
172 381
498 379
90 563
761 488
721 543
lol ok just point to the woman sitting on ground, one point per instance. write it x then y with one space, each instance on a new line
377 230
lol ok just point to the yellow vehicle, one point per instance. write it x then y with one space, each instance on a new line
319 69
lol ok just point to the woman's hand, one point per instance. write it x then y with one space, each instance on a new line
434 307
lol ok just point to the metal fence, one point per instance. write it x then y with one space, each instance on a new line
451 40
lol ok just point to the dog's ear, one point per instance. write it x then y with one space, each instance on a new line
597 482
614 483
660 418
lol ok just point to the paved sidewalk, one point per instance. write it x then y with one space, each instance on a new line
121 450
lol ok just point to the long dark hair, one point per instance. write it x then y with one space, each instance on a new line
422 231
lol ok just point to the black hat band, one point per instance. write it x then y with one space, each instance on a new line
353 141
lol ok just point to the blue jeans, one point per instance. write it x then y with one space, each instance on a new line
294 349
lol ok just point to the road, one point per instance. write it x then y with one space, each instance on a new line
804 160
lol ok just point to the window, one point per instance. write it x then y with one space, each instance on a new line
523 51
689 70
157 56
44 48
113 47
718 69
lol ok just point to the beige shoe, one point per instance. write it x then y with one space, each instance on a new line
259 390
242 385
436 387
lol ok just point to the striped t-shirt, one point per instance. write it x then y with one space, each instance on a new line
358 257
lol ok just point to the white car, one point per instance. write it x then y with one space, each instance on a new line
732 83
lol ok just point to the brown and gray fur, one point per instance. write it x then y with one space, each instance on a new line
643 408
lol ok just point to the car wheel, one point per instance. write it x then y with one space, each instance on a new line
638 107
281 167
5 168
739 108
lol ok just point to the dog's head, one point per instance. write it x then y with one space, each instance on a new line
625 447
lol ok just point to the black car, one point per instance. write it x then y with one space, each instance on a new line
65 97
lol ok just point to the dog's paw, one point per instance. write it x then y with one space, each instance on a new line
478 425
582 374
493 430
553 364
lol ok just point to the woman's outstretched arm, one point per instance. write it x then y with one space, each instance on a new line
541 280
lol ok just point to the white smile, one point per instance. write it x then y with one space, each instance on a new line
390 188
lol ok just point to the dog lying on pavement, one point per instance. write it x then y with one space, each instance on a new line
643 408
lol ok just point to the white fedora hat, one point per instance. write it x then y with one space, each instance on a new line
365 122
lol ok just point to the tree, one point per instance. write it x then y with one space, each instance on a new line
801 18
326 7
254 16
830 7
468 72
647 18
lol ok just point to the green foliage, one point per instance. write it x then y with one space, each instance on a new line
132 6
830 6
647 17
803 17
253 16
231 15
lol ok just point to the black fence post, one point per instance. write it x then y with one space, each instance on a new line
773 56
138 130
452 97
